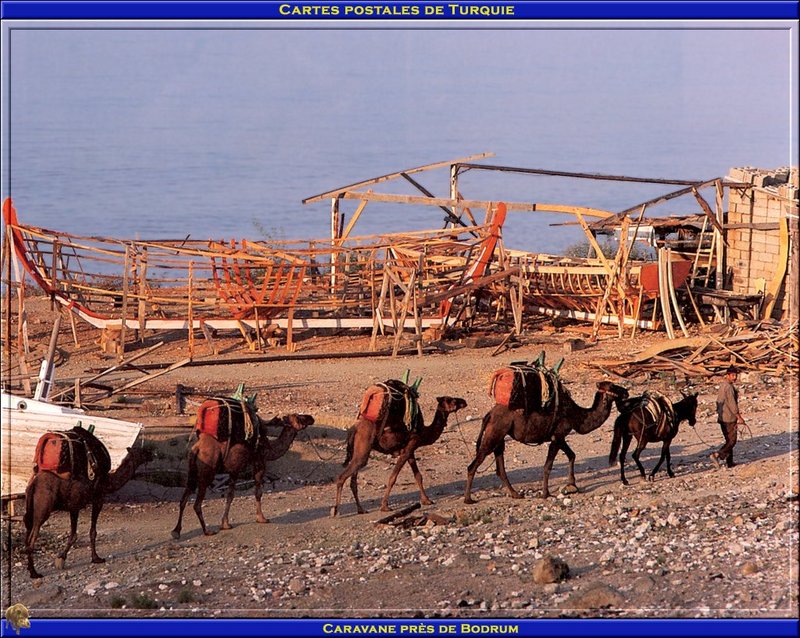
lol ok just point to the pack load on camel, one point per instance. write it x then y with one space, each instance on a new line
71 470
76 453
392 401
230 418
526 385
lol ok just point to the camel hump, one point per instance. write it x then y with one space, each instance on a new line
226 418
393 401
77 453
530 387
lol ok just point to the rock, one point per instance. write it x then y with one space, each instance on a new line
749 568
297 585
549 570
596 596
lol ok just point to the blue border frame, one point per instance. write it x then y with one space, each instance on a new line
562 628
522 9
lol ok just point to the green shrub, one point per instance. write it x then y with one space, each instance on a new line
143 601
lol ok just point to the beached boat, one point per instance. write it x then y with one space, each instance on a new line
25 420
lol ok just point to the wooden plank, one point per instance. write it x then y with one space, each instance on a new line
389 176
141 380
780 272
346 233
476 203
594 176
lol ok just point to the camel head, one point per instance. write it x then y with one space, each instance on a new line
297 421
615 392
450 404
139 455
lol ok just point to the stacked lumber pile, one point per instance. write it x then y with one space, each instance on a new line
770 348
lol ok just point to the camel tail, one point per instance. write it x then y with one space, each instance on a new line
615 442
351 437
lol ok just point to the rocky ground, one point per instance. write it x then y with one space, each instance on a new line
711 542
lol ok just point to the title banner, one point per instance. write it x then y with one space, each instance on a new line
430 10
562 628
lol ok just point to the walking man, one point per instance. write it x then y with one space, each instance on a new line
728 417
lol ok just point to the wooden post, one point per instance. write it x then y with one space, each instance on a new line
190 312
720 240
417 321
7 306
377 316
258 329
124 325
179 403
794 276
77 400
453 186
291 346
334 238
54 274
73 325
141 290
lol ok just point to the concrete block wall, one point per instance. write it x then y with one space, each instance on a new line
752 255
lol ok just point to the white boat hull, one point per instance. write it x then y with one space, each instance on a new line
25 420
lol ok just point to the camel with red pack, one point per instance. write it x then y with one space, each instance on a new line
71 470
231 437
391 422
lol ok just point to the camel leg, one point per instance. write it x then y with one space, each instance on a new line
354 490
258 475
38 508
401 461
97 505
351 472
571 487
635 456
552 450
73 534
626 441
363 439
423 497
205 475
500 469
489 439
225 524
191 485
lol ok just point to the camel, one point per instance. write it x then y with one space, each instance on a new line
537 428
209 456
71 491
635 421
396 439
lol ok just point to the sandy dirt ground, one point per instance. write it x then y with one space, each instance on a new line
711 542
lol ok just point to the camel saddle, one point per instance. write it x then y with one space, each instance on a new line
76 453
530 387
656 411
392 400
228 419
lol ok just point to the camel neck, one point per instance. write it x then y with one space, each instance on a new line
594 416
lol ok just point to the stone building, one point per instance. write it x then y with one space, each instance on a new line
761 231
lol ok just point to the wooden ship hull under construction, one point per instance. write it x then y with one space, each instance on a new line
393 281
